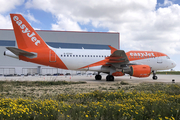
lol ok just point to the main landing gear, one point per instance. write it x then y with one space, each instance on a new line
108 77
154 75
98 77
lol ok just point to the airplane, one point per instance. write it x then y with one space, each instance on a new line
114 62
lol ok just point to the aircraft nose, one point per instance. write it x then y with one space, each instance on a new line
173 64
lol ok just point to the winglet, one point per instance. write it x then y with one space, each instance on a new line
112 49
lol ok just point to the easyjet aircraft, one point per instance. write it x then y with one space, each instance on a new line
32 48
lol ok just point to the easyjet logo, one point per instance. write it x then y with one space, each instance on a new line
141 54
26 30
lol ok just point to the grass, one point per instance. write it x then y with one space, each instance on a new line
170 89
38 83
71 101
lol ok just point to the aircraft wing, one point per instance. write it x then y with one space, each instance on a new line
18 52
117 57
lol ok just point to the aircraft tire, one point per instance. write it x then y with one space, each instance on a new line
98 77
109 78
154 77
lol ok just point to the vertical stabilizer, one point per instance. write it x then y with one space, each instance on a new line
26 36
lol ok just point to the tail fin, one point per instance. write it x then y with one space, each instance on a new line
26 36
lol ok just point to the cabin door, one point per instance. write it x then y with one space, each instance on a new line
52 56
159 59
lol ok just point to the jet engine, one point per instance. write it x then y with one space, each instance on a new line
138 70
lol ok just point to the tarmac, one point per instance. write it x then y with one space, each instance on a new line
91 79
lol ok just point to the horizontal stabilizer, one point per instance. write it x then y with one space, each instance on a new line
18 52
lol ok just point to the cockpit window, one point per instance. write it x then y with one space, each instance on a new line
167 57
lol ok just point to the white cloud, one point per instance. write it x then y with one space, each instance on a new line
141 26
5 22
7 5
31 17
64 23
166 3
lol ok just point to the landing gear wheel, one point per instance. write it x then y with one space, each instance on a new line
98 77
154 77
110 78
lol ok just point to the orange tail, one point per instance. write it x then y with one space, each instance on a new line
26 36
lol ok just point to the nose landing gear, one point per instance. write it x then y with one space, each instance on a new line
154 75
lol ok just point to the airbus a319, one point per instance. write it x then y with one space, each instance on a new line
32 48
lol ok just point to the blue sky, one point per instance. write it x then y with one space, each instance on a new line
143 24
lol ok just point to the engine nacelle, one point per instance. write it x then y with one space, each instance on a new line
138 70
118 74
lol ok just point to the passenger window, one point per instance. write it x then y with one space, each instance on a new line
61 55
82 55
79 55
64 55
76 55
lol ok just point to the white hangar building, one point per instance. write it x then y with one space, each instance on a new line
57 39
